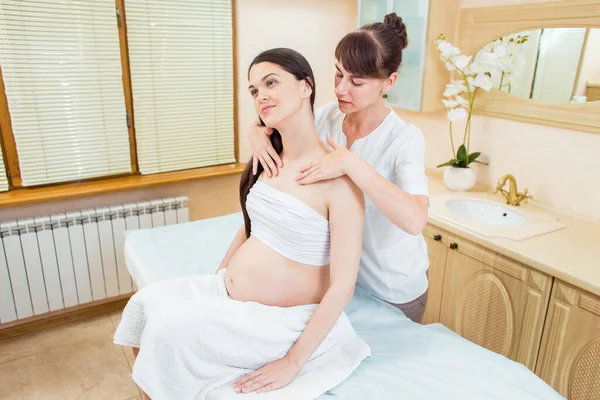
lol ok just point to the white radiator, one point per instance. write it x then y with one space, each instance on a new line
52 262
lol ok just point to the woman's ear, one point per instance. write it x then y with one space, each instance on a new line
389 82
306 87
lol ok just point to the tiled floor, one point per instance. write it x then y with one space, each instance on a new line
77 360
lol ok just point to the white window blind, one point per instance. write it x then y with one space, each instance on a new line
62 72
558 61
3 180
181 62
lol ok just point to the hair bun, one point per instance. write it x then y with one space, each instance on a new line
395 22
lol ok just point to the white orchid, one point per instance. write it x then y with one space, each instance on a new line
496 63
503 60
461 61
474 68
457 114
446 48
487 59
482 81
450 103
500 49
449 66
454 88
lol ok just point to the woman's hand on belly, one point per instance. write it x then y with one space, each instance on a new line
272 376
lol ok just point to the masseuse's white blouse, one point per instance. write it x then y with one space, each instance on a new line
393 263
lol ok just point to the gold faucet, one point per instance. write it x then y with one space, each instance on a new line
513 197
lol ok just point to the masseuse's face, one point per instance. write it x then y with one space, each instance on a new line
277 94
355 93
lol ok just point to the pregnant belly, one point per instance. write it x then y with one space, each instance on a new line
258 273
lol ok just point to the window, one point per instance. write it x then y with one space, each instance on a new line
61 67
72 113
181 62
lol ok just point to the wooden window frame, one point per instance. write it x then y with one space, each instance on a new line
17 194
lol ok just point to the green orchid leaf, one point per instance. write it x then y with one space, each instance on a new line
473 156
461 154
451 162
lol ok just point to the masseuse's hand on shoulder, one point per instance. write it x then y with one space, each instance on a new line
263 151
330 166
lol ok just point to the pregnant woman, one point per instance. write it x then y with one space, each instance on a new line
271 318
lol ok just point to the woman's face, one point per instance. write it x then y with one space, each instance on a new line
355 93
277 94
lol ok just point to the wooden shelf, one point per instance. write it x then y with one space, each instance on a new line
23 196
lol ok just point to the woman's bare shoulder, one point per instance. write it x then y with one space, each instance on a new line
343 191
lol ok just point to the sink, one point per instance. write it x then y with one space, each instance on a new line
486 212
487 215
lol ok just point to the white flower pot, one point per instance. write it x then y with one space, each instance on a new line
459 178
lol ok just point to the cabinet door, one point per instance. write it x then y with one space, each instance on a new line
437 267
494 301
570 354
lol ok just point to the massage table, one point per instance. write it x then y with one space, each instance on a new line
409 360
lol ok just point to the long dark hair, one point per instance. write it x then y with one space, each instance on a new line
294 63
374 50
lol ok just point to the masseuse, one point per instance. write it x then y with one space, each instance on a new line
382 154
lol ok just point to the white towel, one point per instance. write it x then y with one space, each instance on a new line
195 342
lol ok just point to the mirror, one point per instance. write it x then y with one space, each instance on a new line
558 65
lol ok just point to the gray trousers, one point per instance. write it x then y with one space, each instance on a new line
415 309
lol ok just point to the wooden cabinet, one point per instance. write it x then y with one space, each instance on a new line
487 298
438 251
570 354
550 326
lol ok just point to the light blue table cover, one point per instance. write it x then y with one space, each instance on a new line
409 361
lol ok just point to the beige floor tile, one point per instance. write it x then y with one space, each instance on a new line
127 351
91 369
115 317
63 335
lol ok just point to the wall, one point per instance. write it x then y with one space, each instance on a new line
561 168
312 27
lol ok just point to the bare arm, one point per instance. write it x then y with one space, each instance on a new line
407 211
346 220
238 240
